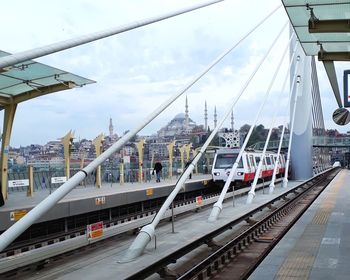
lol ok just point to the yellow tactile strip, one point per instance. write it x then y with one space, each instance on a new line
299 262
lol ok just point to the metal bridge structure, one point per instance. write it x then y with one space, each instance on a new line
312 33
317 141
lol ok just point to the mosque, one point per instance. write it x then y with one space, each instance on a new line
183 125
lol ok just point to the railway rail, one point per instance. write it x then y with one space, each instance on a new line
129 216
35 253
238 258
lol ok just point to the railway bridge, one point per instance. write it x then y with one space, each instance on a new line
292 224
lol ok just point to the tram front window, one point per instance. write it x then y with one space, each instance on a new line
224 161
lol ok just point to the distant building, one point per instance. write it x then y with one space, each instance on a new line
177 126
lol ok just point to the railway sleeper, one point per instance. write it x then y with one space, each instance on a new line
250 221
212 244
271 207
168 274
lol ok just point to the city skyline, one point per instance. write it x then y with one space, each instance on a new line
148 64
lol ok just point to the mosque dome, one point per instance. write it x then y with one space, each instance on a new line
179 116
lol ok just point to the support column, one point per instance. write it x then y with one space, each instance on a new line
98 141
194 153
301 149
67 142
188 151
30 190
9 115
171 155
140 147
182 155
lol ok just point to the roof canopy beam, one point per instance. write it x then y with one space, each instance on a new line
333 56
332 77
329 26
42 91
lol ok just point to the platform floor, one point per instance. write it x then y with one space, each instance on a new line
103 262
20 199
318 245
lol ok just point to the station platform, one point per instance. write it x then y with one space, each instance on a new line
318 245
103 262
87 199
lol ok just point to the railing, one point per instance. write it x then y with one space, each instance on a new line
316 141
42 179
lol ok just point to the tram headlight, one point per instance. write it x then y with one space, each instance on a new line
239 173
216 173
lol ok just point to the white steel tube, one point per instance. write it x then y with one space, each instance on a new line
74 42
217 207
147 232
251 193
273 179
285 179
18 228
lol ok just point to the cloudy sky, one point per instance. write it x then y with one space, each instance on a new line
138 70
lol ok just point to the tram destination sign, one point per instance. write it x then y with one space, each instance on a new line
346 88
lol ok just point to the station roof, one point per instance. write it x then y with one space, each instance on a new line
320 22
31 79
323 29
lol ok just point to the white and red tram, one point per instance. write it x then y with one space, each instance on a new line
245 172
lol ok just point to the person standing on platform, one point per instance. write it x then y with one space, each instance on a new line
186 166
158 169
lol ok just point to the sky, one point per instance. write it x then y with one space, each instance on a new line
138 70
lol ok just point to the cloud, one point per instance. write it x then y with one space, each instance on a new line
138 70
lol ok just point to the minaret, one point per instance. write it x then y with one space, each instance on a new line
186 115
110 128
215 117
232 122
205 116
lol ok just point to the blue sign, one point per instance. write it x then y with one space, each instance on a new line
346 88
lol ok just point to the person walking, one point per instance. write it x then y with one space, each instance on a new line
158 168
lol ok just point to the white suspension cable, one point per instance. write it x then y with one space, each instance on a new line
251 193
147 232
19 227
217 207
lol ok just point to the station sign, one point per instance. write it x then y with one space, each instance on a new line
17 214
149 191
58 180
18 183
94 230
346 88
100 200
199 201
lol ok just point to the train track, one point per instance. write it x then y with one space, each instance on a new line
35 254
238 258
136 221
24 246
